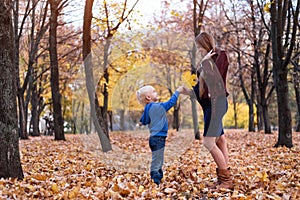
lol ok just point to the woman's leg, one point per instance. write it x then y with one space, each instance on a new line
217 154
225 179
221 143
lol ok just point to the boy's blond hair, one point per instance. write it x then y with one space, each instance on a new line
142 93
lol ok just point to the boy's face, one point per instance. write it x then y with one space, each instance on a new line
152 94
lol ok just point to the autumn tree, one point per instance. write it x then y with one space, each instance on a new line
34 25
236 42
111 16
10 164
88 66
190 23
284 26
257 29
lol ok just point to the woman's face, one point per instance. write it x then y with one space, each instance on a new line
202 50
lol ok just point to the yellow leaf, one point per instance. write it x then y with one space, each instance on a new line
54 188
267 7
40 177
263 176
141 189
73 194
189 79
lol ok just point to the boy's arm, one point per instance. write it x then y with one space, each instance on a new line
171 102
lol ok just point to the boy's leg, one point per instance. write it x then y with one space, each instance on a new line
157 145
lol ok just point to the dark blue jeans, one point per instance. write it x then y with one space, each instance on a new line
157 146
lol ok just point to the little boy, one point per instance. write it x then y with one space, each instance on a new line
155 117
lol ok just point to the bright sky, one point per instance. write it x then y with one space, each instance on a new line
74 11
148 8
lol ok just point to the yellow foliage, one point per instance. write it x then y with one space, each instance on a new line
189 79
267 7
242 115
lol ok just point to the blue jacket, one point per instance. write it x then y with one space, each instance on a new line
155 116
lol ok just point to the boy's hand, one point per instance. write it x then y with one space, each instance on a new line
186 91
180 89
183 90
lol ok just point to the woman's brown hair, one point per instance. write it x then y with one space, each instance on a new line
205 41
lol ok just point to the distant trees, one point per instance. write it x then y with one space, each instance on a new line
264 70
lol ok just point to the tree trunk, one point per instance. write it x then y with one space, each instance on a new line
259 116
122 119
193 100
10 164
296 80
104 108
34 122
248 99
22 118
266 118
110 116
176 120
234 109
88 66
195 119
56 96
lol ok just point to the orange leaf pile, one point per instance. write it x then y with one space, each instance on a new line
77 169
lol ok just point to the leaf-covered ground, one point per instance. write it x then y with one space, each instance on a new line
77 169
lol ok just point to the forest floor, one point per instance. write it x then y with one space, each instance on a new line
78 169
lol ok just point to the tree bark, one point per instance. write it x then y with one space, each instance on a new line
296 81
56 96
176 120
10 164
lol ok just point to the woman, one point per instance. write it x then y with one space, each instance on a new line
211 94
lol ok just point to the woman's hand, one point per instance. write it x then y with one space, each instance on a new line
209 55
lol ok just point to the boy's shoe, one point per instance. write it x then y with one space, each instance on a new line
156 177
156 181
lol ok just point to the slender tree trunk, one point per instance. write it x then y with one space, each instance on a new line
56 96
22 118
259 117
176 120
248 99
10 164
34 122
266 118
88 66
193 100
110 116
122 119
234 94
